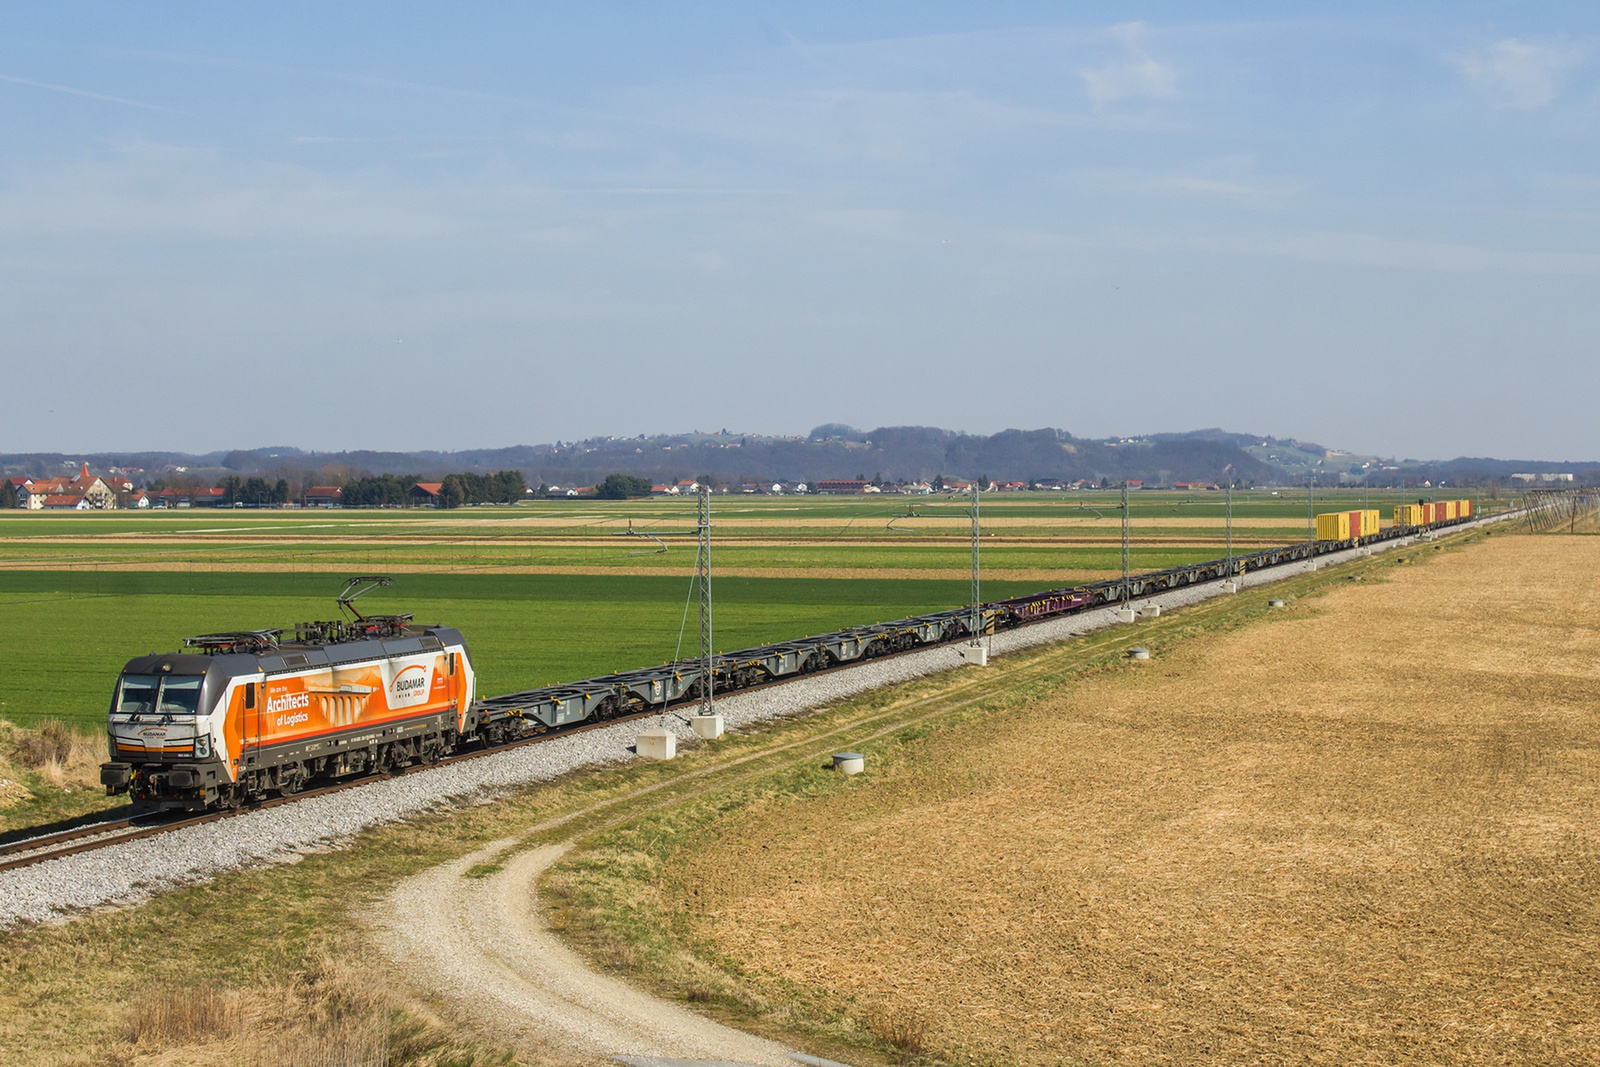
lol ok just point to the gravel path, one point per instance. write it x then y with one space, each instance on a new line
483 943
126 874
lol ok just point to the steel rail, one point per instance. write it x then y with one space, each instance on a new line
39 841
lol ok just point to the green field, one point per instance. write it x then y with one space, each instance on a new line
1024 532
546 592
68 634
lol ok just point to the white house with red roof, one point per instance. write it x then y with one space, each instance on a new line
35 493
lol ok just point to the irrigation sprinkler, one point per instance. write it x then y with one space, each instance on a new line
644 535
1546 509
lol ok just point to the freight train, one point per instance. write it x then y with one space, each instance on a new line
248 715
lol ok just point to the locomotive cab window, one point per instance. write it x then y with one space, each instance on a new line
250 695
138 695
149 695
180 695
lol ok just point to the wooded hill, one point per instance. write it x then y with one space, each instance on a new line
893 453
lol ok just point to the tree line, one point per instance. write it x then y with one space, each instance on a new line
387 490
258 491
359 491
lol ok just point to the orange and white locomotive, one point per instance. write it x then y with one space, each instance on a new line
241 716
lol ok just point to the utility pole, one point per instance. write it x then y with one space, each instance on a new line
1125 589
707 722
1311 517
977 542
1229 513
976 652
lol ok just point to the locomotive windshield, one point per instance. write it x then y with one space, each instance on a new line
138 695
150 695
180 695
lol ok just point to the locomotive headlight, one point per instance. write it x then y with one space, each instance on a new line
202 746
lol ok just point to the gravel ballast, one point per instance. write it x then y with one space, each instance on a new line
128 873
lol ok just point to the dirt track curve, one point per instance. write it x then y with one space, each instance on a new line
483 943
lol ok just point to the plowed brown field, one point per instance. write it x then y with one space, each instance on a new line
1365 831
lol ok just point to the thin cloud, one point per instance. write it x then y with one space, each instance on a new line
1571 183
1195 186
370 81
70 91
1137 75
1518 74
1373 250
167 194
1321 246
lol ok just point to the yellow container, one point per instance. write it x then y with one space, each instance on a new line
1370 523
1334 526
1408 514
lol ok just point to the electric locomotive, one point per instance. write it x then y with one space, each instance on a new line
237 717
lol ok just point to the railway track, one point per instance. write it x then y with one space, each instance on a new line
34 850
46 847
31 850
57 843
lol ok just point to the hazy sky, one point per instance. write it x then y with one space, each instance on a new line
443 226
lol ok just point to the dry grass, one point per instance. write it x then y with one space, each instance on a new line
333 1017
1368 830
186 1017
897 1026
52 757
70 753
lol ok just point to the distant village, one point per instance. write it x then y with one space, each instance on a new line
852 486
116 490
119 490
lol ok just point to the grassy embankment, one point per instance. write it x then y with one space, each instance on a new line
1364 830
268 967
